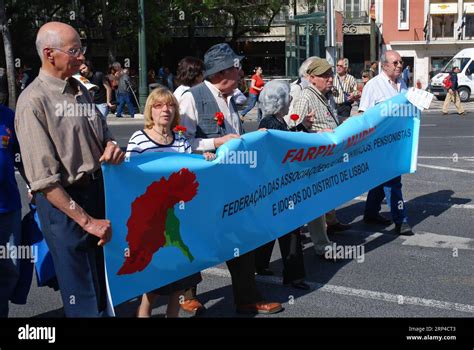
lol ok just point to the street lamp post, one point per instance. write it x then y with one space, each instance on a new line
330 33
142 66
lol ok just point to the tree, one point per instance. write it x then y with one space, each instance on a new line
7 45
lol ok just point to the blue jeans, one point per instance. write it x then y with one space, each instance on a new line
103 109
124 98
397 206
252 101
10 232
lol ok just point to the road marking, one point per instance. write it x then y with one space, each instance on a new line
446 137
423 239
361 293
436 204
434 240
446 168
450 157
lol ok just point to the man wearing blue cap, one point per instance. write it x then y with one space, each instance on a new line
199 109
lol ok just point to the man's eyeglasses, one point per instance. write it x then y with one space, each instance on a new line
340 65
75 52
160 105
396 63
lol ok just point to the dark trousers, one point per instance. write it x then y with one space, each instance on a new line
242 271
78 261
397 206
291 254
344 111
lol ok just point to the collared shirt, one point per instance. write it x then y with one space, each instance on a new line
379 89
344 85
189 118
296 88
61 133
311 99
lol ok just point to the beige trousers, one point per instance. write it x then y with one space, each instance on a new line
318 233
454 97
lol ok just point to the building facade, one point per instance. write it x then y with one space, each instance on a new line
426 33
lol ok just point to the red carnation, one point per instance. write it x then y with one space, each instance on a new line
180 130
219 116
294 117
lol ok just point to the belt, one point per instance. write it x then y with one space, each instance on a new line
87 179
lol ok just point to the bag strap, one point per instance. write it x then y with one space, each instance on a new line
325 103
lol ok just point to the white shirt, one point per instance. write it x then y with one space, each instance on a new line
379 89
295 92
189 114
180 90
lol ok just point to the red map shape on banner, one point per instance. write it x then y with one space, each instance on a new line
148 219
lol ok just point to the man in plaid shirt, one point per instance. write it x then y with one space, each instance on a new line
317 103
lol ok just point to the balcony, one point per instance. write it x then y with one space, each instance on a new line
356 17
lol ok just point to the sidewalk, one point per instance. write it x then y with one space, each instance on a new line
436 106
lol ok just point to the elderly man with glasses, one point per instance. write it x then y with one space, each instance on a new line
383 87
63 141
316 103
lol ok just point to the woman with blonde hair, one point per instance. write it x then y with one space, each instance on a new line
161 135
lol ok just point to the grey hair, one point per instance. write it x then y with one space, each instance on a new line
345 61
48 38
383 58
274 97
304 66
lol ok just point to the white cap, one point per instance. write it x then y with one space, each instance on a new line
84 81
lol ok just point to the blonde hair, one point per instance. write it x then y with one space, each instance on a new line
160 95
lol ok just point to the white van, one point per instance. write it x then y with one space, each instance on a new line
464 59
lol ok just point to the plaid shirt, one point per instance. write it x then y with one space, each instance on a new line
325 116
346 84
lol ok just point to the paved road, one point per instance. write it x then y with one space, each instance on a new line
427 275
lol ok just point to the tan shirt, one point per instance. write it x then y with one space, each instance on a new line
60 132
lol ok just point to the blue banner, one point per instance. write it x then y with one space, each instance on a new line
176 214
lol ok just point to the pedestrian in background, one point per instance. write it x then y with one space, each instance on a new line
451 84
256 86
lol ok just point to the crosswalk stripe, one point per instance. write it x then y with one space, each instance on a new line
361 293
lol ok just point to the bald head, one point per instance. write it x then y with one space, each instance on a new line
54 34
392 64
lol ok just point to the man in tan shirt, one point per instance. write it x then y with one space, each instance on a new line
63 140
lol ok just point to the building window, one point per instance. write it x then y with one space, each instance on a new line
353 7
403 14
469 31
443 26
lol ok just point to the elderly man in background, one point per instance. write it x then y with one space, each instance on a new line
63 140
383 87
199 107
345 86
297 86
